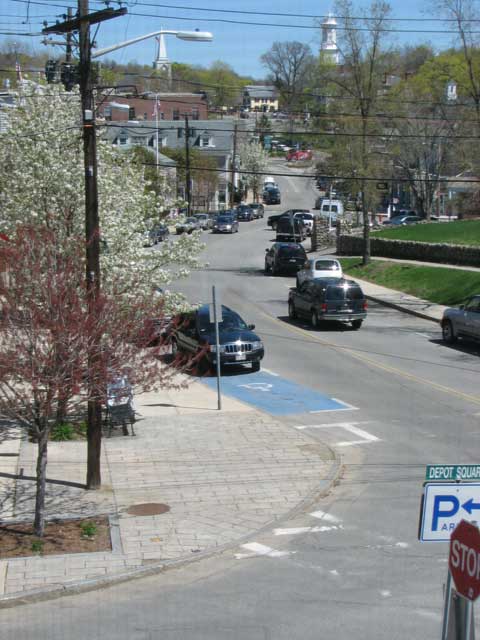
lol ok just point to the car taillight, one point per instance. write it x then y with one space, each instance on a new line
365 305
323 307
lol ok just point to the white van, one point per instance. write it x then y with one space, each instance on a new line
269 181
331 209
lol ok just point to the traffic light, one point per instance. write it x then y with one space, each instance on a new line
51 71
69 75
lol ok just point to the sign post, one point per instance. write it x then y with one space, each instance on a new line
217 316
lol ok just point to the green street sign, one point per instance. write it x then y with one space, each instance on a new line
453 472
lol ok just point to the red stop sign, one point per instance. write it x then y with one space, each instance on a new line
464 559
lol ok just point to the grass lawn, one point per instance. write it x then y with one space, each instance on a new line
459 232
438 284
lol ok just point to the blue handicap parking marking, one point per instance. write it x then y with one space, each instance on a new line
275 394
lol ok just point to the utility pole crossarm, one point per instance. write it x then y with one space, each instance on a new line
92 18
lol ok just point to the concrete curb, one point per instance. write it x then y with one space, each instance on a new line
399 307
53 592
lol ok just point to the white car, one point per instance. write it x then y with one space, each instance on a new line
320 268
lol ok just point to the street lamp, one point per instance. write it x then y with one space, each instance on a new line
191 36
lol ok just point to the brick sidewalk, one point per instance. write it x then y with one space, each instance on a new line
223 475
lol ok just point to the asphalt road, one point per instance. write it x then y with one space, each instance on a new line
358 571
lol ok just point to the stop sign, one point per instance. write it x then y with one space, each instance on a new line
464 559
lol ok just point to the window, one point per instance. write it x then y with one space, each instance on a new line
107 112
179 132
195 113
206 141
176 114
131 113
122 139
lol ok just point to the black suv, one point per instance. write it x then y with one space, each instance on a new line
284 257
194 335
272 196
324 299
244 212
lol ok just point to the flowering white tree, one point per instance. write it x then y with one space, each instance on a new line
253 162
42 180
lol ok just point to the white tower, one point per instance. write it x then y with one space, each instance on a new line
329 39
162 63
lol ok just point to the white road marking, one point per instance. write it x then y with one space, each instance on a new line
346 405
334 572
270 373
422 335
261 550
296 530
402 545
385 593
322 515
366 437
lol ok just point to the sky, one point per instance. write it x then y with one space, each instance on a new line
239 45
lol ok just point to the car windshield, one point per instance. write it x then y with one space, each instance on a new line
224 219
291 252
192 220
230 320
344 293
304 216
326 265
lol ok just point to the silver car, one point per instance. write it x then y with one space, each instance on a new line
462 322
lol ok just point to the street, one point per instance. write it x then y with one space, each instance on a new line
391 398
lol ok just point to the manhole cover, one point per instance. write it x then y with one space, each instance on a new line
148 509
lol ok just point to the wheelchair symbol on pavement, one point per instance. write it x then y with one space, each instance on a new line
257 386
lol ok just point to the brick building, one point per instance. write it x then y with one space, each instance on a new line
172 106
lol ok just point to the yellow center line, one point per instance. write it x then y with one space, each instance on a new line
378 365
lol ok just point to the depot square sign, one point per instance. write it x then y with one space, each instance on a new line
464 559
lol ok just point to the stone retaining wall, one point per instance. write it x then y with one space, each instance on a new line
349 245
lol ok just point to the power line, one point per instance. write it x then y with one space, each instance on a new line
290 15
327 177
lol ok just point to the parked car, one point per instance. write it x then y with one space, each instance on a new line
258 209
194 334
402 220
272 196
273 219
331 209
204 220
225 224
284 257
187 226
298 155
328 299
244 213
320 268
462 322
156 234
289 227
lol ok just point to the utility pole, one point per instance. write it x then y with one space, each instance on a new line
232 169
188 184
69 38
92 230
92 237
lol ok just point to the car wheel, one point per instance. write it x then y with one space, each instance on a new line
356 324
292 312
448 333
267 268
314 319
255 366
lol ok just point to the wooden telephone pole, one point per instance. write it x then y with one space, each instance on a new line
92 229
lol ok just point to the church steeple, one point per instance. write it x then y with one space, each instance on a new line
329 39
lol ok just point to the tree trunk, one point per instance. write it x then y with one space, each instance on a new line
39 522
94 439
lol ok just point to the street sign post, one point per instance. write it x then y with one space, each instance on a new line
445 504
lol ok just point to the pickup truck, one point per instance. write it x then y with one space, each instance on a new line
326 299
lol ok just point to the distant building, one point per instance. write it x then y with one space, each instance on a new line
260 98
329 49
214 138
171 106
